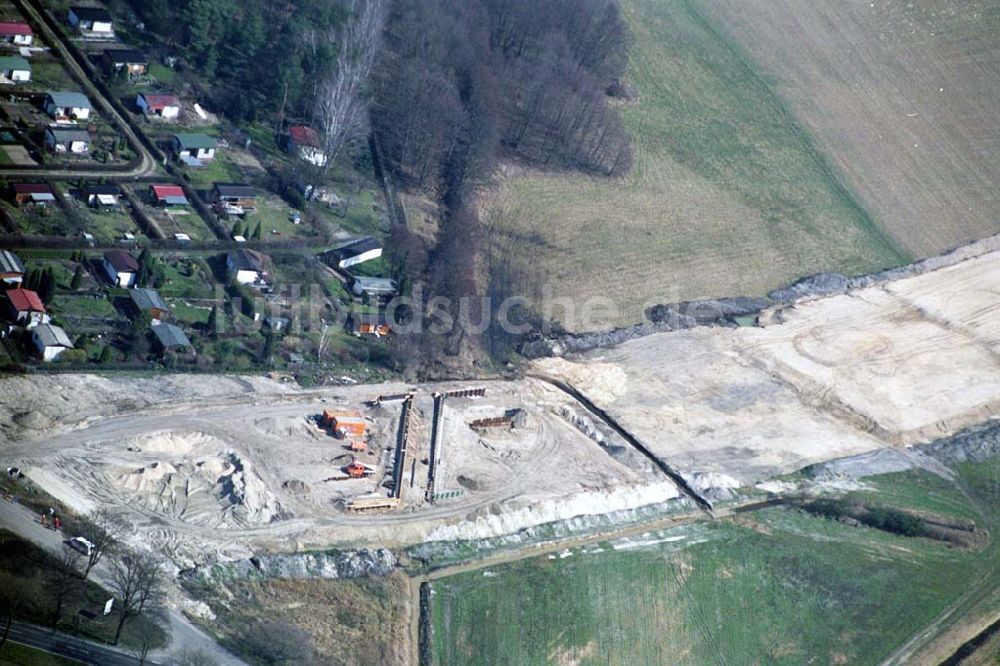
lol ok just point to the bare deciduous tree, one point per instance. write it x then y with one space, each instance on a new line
341 101
63 580
278 643
195 658
136 582
102 529
12 598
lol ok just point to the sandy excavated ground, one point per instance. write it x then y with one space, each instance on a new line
207 467
894 364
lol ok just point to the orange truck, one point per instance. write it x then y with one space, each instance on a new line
356 470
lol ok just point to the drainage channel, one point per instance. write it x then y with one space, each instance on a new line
674 475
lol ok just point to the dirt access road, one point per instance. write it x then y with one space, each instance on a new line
147 163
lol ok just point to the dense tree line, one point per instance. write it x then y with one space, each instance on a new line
464 82
455 86
264 57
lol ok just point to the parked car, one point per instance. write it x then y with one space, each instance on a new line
81 545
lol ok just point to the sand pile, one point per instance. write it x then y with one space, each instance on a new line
218 489
298 427
176 443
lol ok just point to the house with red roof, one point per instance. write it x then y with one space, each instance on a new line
24 308
161 106
304 141
16 32
35 194
167 195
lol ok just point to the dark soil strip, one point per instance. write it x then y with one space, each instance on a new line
674 475
970 647
425 624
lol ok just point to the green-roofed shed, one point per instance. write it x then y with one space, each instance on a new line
199 146
15 68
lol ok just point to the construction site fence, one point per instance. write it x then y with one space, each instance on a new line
435 446
391 398
400 462
466 393
494 422
373 504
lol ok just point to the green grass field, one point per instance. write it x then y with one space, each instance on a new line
776 586
183 220
219 170
106 225
48 73
728 195
274 215
919 491
47 220
186 277
69 305
189 315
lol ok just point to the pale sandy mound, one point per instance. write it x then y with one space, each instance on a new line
176 443
220 490
294 427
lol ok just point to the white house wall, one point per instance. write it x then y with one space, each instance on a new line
119 279
52 353
246 277
361 258
312 155
32 319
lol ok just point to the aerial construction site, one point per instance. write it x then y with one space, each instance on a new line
259 465
215 467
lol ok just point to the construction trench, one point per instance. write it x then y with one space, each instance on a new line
663 466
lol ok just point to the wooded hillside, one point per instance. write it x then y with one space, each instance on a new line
464 82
